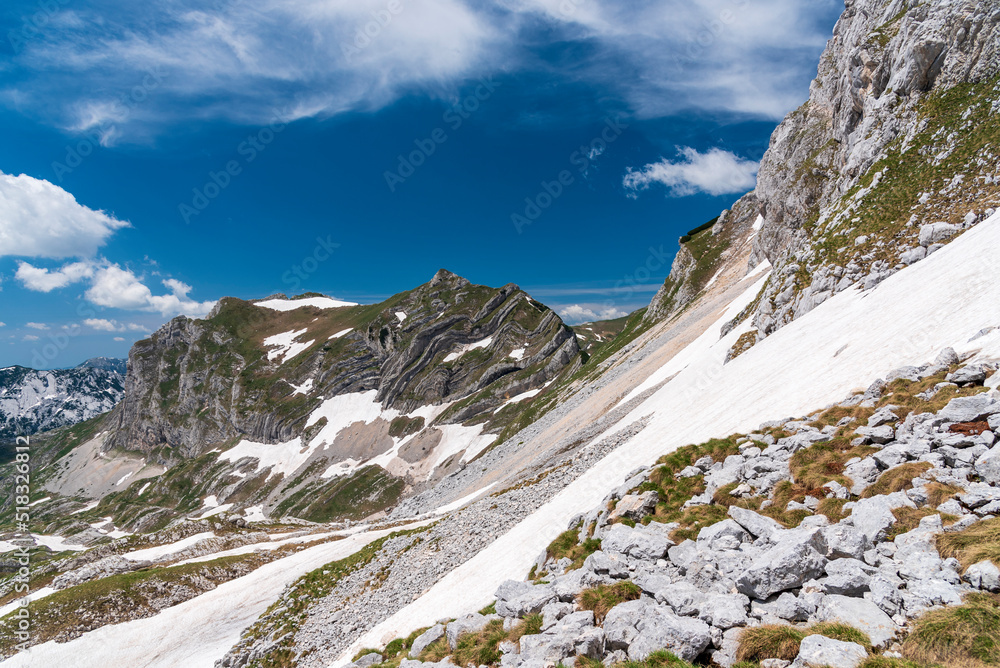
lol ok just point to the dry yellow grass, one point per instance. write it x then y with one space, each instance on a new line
978 542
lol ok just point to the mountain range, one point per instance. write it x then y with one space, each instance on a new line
788 456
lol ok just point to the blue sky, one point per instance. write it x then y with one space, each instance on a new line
155 157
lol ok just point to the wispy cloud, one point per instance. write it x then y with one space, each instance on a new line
322 57
715 172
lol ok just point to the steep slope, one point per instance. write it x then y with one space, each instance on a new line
894 153
32 401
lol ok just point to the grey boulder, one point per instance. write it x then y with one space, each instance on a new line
861 614
819 650
641 628
983 575
797 557
758 525
647 544
428 637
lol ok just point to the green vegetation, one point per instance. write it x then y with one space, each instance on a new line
701 228
960 138
658 659
69 612
897 479
777 641
770 641
568 545
746 341
967 635
346 497
602 598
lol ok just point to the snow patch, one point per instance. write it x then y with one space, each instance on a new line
458 503
304 388
292 304
89 506
517 354
342 333
401 315
56 543
466 348
35 503
254 514
340 412
160 551
285 346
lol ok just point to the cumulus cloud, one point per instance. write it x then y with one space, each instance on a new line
115 287
119 338
41 279
106 325
40 219
103 325
715 172
37 325
3 324
29 337
576 313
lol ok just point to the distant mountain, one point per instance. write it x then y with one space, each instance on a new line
32 401
105 363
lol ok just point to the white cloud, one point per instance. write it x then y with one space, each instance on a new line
40 219
37 325
103 325
40 279
3 324
114 287
118 338
30 337
185 61
715 172
576 313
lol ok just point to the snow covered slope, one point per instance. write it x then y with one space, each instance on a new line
197 632
847 342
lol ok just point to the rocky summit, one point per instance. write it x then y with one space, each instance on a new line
788 459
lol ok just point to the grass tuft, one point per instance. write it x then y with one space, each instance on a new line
602 598
972 545
966 636
897 479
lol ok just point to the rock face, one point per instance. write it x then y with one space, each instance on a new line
33 401
886 59
837 205
197 383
